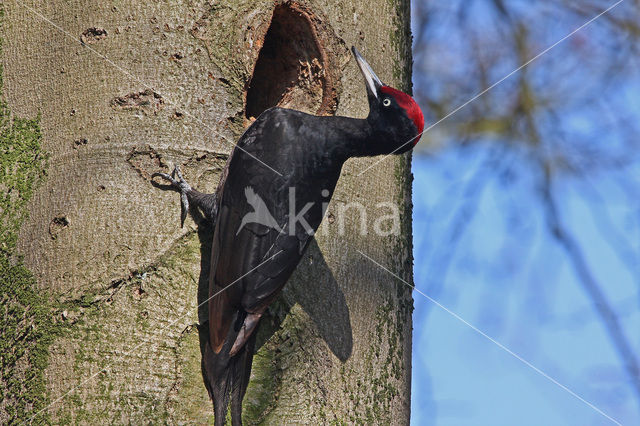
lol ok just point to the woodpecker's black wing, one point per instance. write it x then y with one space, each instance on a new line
258 241
251 262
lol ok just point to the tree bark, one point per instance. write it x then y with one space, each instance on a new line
123 89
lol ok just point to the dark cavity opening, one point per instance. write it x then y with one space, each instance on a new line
290 70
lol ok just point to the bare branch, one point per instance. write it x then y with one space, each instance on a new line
591 286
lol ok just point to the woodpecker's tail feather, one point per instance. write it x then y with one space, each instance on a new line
226 377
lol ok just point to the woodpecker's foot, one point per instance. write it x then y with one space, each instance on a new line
180 185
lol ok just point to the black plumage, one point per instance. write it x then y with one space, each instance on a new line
264 221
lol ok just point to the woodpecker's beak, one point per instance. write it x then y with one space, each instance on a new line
373 82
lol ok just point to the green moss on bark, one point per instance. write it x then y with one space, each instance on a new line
137 341
27 323
401 38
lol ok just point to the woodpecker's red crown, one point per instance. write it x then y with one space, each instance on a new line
409 105
386 103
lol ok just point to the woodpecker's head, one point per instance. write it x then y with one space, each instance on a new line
396 118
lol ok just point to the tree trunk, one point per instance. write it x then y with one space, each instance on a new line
123 89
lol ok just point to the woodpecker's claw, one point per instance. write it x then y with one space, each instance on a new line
181 185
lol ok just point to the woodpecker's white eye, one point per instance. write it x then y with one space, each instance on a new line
386 102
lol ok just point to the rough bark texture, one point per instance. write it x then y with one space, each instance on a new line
126 88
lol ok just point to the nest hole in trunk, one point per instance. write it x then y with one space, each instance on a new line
290 71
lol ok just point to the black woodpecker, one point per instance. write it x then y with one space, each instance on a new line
258 239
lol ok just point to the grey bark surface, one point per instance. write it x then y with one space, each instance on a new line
127 88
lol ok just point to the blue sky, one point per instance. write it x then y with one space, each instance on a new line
540 312
507 276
